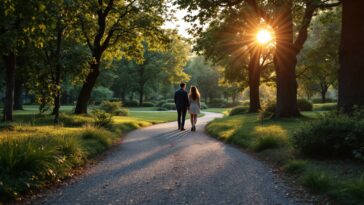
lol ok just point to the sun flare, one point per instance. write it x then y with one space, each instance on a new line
264 36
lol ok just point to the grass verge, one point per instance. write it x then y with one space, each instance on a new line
340 180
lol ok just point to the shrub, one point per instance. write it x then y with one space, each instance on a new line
232 104
319 100
270 141
121 112
169 106
161 109
267 110
160 103
295 166
238 111
148 104
317 182
203 106
101 93
332 135
131 103
110 107
217 103
304 105
351 192
101 118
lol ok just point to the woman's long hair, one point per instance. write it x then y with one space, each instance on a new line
194 94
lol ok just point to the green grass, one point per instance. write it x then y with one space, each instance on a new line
271 139
224 111
34 152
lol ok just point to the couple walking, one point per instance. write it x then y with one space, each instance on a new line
187 101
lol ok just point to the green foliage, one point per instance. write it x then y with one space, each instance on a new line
121 112
267 111
350 192
101 118
304 105
270 141
169 106
218 103
162 109
110 107
295 166
317 182
238 110
131 103
203 106
325 106
100 94
148 104
332 135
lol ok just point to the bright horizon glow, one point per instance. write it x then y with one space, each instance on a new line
264 36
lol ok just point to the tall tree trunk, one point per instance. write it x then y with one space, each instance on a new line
254 81
141 95
18 94
57 78
285 65
10 63
351 71
85 93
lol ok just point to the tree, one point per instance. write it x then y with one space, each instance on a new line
351 71
286 17
319 62
166 66
17 27
116 29
244 60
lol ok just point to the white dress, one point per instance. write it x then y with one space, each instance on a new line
194 106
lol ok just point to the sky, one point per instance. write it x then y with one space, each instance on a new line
179 23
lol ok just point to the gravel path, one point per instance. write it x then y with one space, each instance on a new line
160 165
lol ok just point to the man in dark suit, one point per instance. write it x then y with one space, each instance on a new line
182 104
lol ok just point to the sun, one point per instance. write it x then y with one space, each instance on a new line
264 36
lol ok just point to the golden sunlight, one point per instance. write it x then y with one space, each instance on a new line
264 36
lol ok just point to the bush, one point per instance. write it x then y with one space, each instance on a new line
101 93
203 106
101 118
304 105
295 166
232 104
317 182
238 111
267 110
131 103
169 106
110 107
121 112
161 109
217 103
160 103
148 104
332 135
319 100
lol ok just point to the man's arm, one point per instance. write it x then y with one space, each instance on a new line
187 100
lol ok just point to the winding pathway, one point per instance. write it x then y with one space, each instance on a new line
160 165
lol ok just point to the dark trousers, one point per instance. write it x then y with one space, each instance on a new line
181 114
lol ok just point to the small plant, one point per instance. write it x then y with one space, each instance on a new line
304 105
317 182
101 118
351 192
121 112
295 166
267 110
110 107
238 111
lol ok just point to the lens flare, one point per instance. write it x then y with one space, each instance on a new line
264 36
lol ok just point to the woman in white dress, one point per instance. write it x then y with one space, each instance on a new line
194 98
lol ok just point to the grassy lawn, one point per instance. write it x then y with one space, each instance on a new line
340 180
36 153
